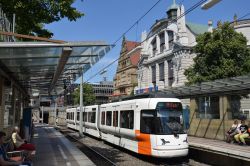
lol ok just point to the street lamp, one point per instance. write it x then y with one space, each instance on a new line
209 3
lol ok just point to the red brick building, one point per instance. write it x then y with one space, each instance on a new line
126 74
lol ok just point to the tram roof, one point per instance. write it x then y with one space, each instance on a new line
229 86
46 67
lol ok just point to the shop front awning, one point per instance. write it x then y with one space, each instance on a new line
47 68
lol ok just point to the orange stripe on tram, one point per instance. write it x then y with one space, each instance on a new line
144 143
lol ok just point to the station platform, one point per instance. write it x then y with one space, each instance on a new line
53 149
220 148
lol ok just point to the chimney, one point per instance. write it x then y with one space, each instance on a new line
210 26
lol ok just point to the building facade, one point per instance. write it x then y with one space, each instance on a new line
103 91
126 75
166 51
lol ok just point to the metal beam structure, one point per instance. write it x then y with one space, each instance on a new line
62 62
46 57
239 85
35 65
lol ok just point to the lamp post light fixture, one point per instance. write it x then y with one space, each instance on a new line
209 3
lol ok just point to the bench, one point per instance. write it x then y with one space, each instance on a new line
247 140
16 155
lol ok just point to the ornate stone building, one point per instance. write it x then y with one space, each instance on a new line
166 51
126 75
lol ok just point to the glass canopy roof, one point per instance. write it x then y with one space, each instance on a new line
235 85
47 67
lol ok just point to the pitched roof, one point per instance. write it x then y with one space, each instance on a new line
135 57
130 45
197 28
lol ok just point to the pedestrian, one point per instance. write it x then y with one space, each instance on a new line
232 131
22 144
243 133
4 160
186 114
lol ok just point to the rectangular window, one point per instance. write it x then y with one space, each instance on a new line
161 73
115 118
154 49
91 117
153 74
162 41
127 119
85 116
208 107
170 39
78 116
108 118
103 118
170 73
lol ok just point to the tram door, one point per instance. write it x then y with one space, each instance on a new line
116 119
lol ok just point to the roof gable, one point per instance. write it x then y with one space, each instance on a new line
135 57
130 45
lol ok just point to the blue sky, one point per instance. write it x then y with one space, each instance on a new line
107 20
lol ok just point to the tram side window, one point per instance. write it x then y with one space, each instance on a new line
78 116
73 117
127 119
108 118
147 122
85 116
103 118
91 117
67 115
115 118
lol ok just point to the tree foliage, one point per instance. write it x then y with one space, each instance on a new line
220 54
31 15
88 95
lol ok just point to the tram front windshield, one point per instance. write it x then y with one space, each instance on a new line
165 119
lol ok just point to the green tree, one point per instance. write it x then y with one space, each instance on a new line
88 95
220 54
31 15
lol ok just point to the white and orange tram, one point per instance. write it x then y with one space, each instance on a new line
148 126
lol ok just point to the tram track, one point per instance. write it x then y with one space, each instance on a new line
93 155
103 153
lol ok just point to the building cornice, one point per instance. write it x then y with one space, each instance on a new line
167 54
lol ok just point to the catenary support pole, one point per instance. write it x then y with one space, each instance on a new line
81 106
42 114
55 114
